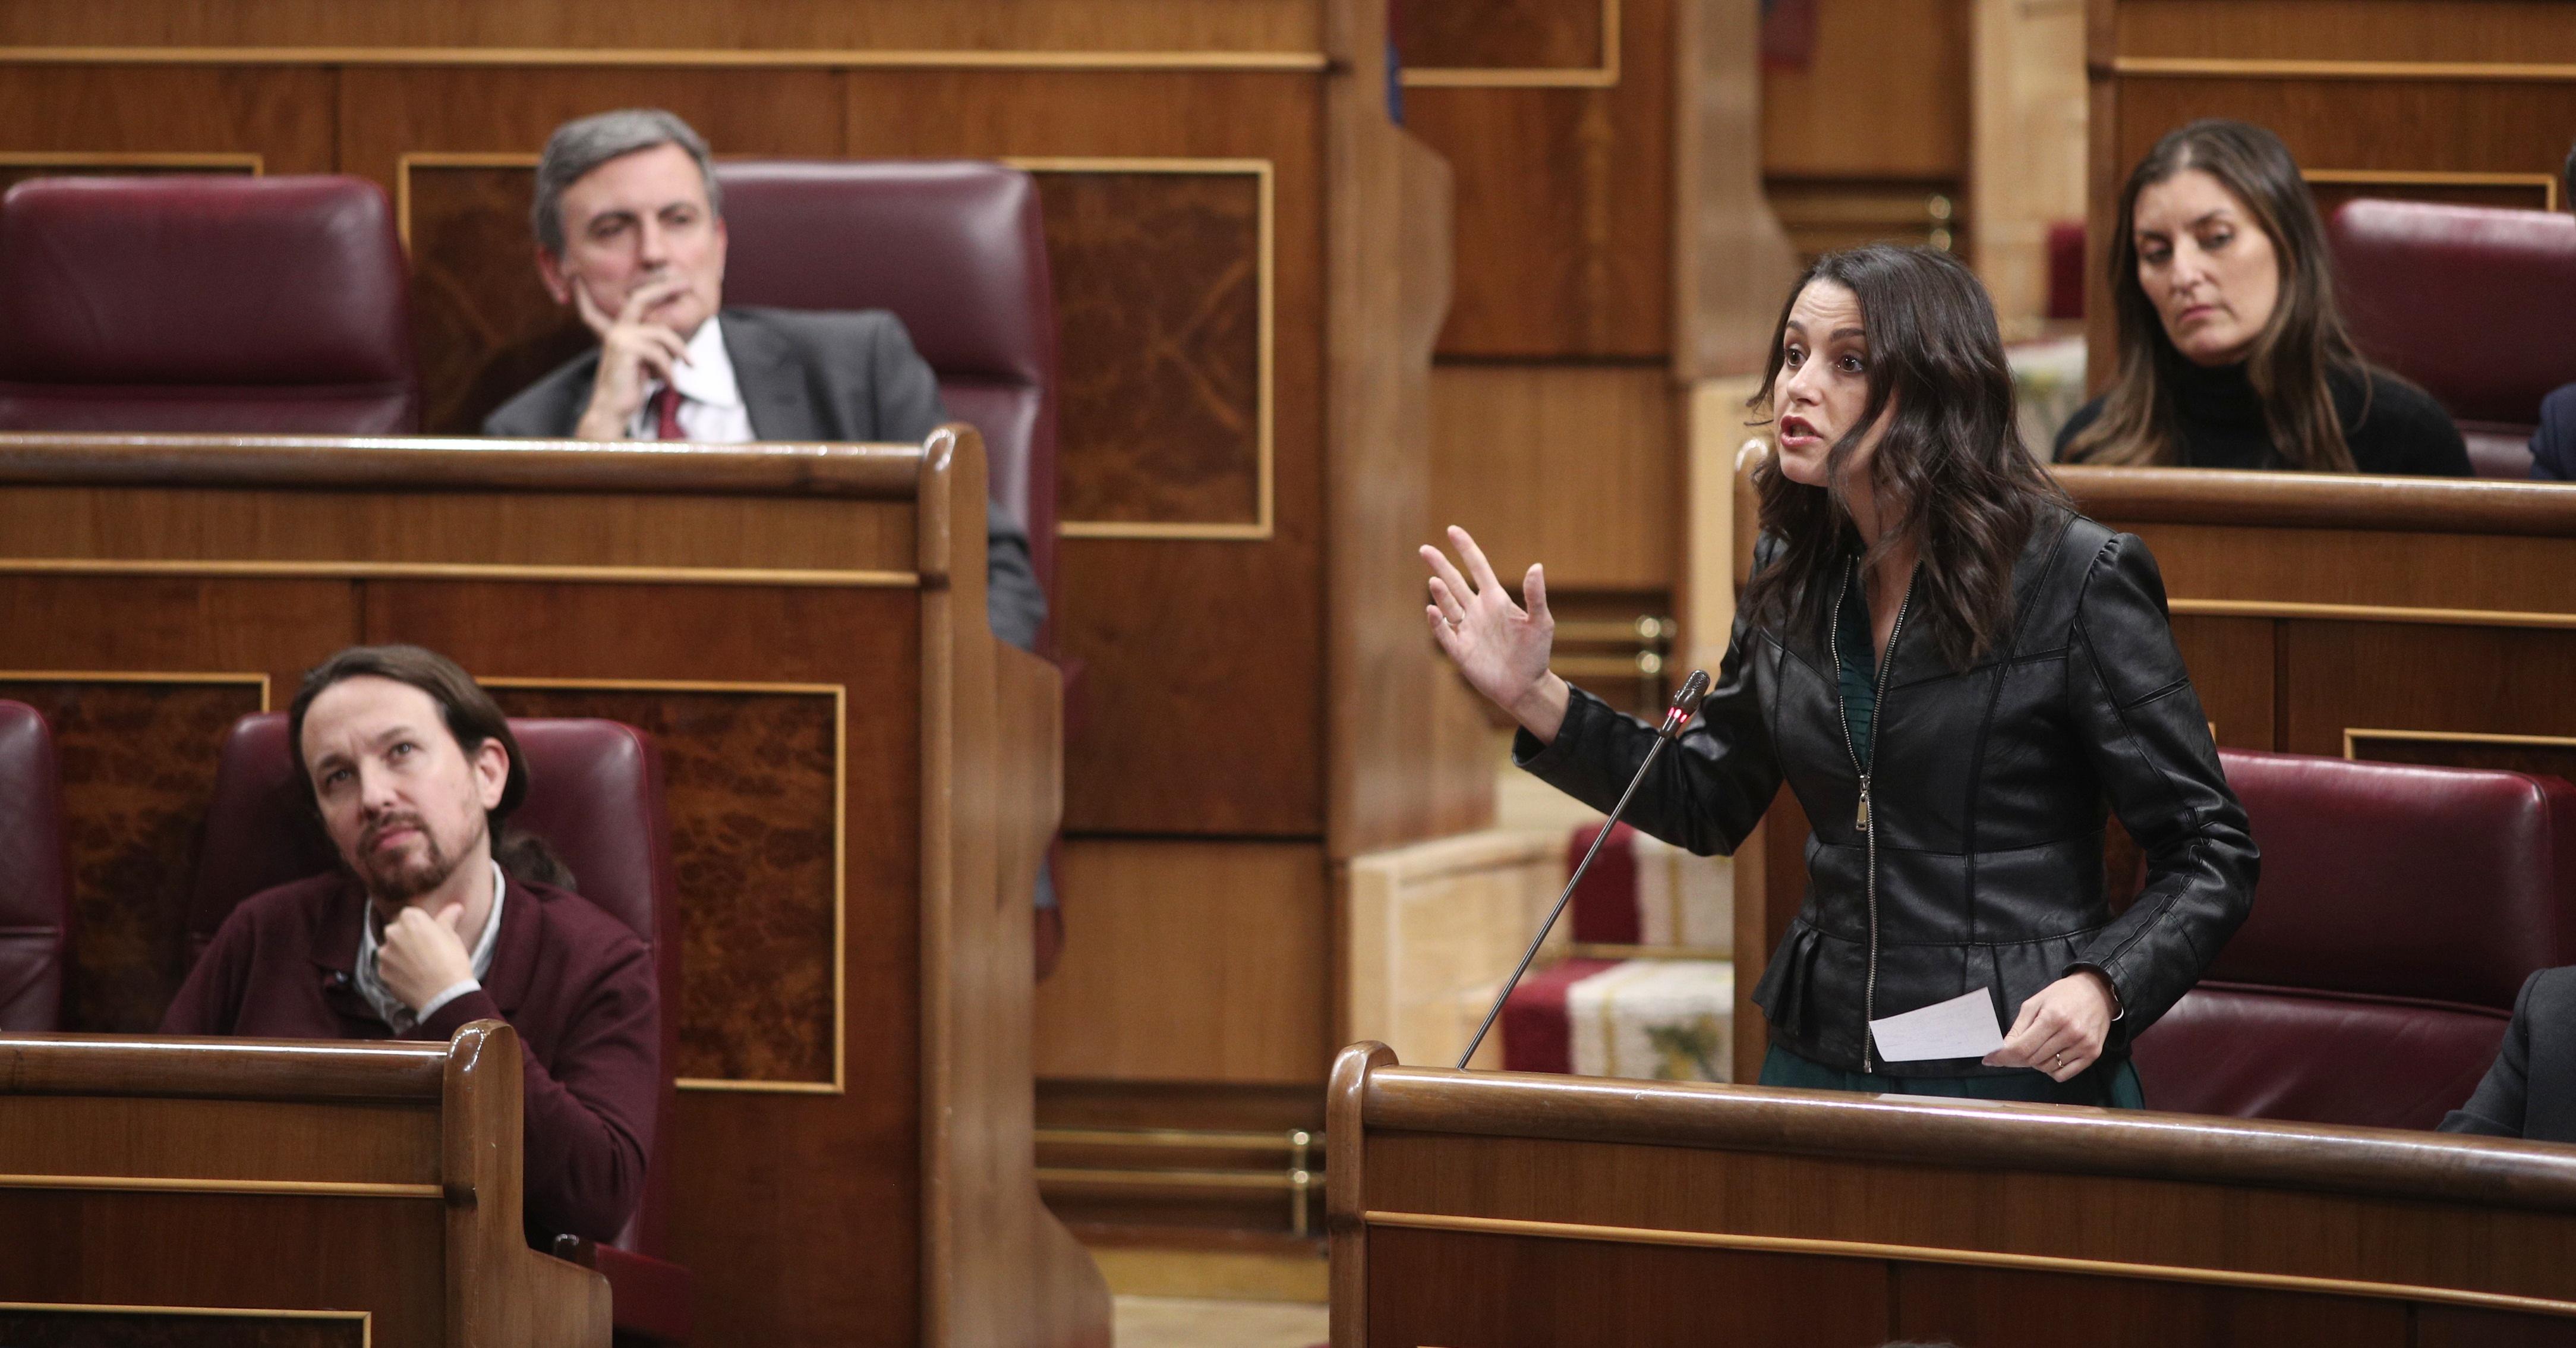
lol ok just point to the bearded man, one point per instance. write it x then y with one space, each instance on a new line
414 773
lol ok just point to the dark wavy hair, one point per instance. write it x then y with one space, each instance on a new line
2304 339
472 719
1951 460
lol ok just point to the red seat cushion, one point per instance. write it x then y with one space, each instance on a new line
204 304
957 250
35 900
2399 911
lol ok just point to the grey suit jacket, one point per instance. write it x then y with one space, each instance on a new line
2530 1092
818 376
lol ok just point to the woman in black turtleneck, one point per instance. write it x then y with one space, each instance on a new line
2231 352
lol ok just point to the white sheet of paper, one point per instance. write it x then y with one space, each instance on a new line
1962 1027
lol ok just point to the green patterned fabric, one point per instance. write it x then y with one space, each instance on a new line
2112 1086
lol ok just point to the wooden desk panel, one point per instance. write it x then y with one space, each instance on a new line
1501 1209
186 1190
838 834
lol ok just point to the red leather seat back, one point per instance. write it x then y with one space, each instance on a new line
2470 302
205 304
594 796
35 898
957 250
2399 912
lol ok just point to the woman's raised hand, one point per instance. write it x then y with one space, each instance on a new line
1499 647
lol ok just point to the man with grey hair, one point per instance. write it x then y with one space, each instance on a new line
630 233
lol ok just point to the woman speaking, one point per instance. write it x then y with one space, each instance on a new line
1954 671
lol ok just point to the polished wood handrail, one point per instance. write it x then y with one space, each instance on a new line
890 472
2437 1166
2322 501
266 1069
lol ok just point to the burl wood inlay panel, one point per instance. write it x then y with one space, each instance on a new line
2542 759
1502 34
748 784
138 769
38 1327
1158 298
481 320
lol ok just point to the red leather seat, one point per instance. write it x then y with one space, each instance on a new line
2468 301
207 304
2399 911
595 796
955 249
35 900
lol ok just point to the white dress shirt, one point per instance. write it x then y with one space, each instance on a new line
371 984
711 410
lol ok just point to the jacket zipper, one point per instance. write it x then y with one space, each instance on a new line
1869 836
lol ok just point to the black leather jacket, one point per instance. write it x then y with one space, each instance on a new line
1987 797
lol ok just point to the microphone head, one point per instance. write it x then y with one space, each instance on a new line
1685 701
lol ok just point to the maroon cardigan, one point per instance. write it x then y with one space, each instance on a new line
572 980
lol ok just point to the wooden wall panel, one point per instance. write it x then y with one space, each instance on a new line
1230 942
2232 663
1159 279
284 117
1515 35
1571 465
2347 30
1564 233
1885 95
1179 638
138 767
1148 26
82 1327
761 905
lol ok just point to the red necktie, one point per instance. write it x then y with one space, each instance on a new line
666 414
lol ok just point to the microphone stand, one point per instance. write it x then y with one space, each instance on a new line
1676 716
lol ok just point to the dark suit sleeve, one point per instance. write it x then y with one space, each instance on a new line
908 408
2496 1108
2553 443
209 1002
1715 781
549 408
590 1120
2130 701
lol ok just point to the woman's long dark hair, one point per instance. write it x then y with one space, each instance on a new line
2291 355
1951 460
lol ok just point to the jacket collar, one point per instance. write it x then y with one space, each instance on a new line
765 368
1918 657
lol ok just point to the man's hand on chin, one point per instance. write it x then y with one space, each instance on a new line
632 352
423 956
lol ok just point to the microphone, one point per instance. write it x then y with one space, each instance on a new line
1684 703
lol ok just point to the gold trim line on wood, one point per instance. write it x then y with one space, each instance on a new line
1265 173
238 1312
1244 1181
2223 68
621 575
761 1087
137 676
404 162
1602 76
2368 613
2546 182
1933 1254
263 1188
177 159
840 695
849 58
2352 733
1612 950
